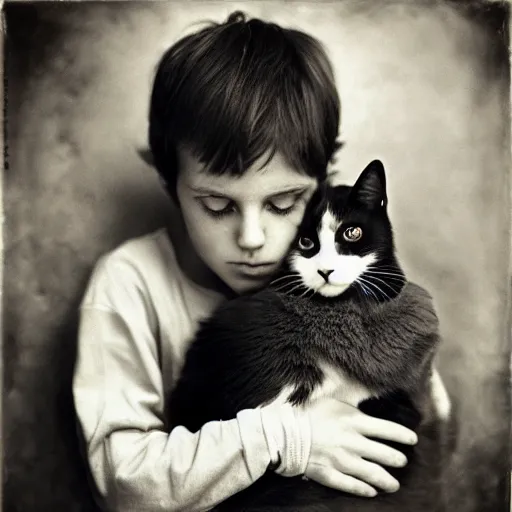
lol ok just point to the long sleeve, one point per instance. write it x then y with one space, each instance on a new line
119 397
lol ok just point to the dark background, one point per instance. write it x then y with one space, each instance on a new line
425 87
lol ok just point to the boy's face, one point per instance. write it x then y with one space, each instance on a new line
242 227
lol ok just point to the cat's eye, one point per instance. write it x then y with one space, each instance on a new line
305 244
352 234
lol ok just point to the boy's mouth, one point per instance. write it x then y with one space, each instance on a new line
257 270
244 264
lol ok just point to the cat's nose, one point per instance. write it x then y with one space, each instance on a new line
325 274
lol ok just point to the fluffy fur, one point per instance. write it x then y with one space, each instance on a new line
365 335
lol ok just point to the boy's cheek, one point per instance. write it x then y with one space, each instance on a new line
285 232
295 219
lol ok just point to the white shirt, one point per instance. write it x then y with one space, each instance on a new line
138 316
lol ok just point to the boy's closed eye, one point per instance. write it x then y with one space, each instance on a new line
217 204
280 204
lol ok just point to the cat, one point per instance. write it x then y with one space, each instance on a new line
340 320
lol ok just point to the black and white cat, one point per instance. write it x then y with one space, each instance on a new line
341 320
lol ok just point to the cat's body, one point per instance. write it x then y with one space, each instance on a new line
289 349
365 336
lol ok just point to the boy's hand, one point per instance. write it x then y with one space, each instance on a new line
342 455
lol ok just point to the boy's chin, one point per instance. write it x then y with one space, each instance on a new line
246 287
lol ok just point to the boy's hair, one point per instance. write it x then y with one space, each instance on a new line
235 91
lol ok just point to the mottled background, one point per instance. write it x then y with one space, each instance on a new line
425 88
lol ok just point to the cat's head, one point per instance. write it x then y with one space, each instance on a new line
346 241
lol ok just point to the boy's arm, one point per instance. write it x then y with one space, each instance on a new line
136 464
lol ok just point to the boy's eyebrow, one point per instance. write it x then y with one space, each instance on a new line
293 190
217 193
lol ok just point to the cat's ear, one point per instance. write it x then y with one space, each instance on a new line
318 198
370 187
146 155
314 208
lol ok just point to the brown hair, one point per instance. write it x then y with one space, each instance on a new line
237 90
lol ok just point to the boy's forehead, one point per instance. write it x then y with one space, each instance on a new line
274 177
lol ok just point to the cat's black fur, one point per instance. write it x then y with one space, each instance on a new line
383 337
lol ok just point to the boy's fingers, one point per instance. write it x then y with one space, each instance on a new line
386 430
380 453
372 474
341 482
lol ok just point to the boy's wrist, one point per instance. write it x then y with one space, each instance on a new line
288 433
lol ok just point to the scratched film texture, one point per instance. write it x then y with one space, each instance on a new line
425 88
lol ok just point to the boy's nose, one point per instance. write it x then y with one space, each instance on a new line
251 235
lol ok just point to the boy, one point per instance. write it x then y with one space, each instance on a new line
243 122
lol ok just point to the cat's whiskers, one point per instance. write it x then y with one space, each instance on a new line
314 292
305 293
384 267
383 272
394 289
287 276
400 280
285 285
380 270
369 283
395 280
358 281
362 291
287 290
293 289
291 280
384 282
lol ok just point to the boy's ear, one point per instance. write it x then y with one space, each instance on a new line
370 188
338 144
147 156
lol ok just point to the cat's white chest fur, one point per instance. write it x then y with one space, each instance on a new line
336 384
